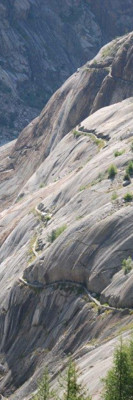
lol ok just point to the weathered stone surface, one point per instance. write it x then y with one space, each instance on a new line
81 95
62 170
46 42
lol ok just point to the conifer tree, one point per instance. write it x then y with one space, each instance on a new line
118 384
44 392
74 391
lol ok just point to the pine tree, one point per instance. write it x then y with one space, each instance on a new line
74 391
118 384
44 392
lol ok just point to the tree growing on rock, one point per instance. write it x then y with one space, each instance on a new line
118 384
44 391
74 390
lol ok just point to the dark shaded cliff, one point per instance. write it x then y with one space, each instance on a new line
42 43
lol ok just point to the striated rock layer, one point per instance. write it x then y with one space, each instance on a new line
66 226
42 43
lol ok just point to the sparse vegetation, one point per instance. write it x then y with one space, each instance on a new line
44 392
95 62
101 176
42 185
83 187
118 382
106 51
128 197
112 171
129 169
47 217
56 232
99 142
114 196
76 134
126 177
72 389
127 265
118 153
30 251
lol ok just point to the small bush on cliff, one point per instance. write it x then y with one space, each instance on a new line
129 169
118 153
56 232
128 197
112 171
127 265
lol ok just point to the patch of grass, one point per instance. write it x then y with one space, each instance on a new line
114 196
76 134
95 62
83 187
127 265
94 305
112 171
128 197
106 51
125 328
101 176
92 342
42 185
100 143
30 251
118 153
129 169
47 217
56 232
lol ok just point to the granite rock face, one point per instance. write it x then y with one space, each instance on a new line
66 226
42 44
95 85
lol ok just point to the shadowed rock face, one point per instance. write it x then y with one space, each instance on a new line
46 43
116 14
107 79
55 179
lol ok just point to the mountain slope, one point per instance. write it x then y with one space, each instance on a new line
66 227
101 82
45 44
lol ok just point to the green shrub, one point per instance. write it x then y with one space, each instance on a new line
128 197
118 153
95 62
126 177
56 232
129 169
82 188
127 265
114 196
118 381
76 134
112 171
42 185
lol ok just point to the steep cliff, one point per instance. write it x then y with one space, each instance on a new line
42 43
66 226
